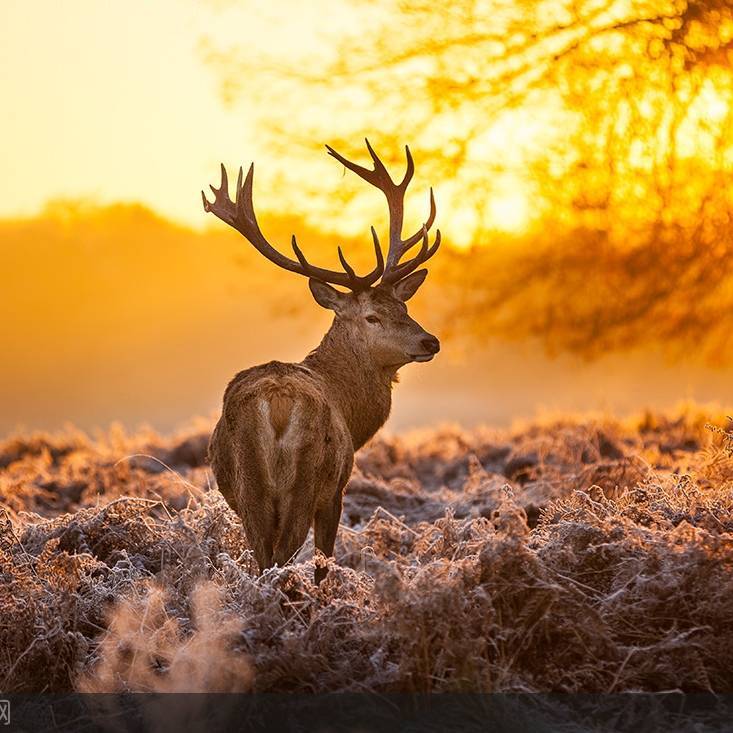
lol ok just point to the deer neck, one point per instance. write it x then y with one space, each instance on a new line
360 389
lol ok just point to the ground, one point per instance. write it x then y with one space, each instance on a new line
569 554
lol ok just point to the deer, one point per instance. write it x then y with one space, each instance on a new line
283 448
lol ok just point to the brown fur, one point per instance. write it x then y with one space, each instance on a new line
281 406
283 449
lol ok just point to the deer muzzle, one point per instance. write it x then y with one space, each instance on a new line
430 346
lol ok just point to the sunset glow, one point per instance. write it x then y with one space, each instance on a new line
575 151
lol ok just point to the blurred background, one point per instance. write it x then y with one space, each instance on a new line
581 155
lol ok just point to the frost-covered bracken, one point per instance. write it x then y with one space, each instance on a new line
568 555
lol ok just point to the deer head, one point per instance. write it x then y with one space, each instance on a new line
374 313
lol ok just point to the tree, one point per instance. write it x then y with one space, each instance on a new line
609 119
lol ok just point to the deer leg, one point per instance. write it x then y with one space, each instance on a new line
326 526
291 532
260 529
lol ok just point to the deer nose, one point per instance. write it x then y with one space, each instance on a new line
431 345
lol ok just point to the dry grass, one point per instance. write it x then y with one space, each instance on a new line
565 555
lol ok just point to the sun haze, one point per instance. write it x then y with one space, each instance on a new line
113 101
580 152
122 102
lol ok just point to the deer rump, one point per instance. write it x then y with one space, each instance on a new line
281 457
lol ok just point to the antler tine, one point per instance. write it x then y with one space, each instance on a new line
240 215
224 186
245 203
378 271
360 171
299 254
410 169
380 171
377 248
347 267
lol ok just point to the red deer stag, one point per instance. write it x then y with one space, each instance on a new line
283 448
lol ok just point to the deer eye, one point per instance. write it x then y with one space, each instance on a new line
373 319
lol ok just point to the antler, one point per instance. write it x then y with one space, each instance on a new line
240 215
395 194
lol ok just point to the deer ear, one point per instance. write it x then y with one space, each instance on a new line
325 295
405 289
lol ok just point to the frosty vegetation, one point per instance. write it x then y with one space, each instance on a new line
564 555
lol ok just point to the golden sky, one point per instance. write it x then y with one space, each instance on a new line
127 102
113 100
